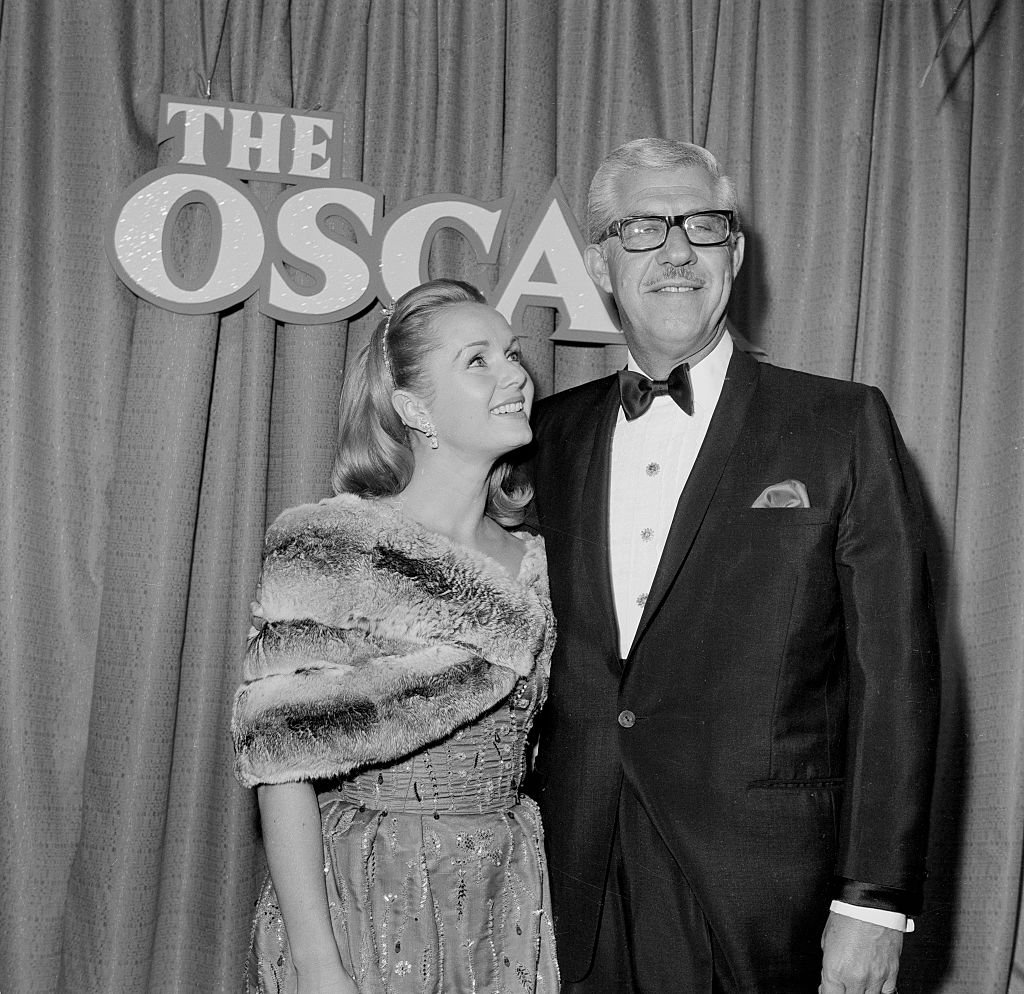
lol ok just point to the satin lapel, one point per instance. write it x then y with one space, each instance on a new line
727 421
593 463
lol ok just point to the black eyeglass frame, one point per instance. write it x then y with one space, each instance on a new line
671 220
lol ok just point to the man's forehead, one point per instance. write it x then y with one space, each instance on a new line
654 187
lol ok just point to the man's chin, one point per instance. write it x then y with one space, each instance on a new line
679 339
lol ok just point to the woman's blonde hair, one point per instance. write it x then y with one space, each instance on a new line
374 456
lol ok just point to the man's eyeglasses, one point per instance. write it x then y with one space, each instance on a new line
641 234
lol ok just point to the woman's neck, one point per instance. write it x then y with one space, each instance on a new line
447 501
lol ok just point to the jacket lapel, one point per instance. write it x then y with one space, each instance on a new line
726 423
595 449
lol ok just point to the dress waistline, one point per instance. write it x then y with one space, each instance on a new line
415 800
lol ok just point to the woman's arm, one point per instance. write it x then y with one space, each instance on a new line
292 838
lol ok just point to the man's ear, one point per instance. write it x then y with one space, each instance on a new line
737 252
408 407
597 266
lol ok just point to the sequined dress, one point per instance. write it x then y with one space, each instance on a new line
435 866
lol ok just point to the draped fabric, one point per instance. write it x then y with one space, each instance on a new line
144 452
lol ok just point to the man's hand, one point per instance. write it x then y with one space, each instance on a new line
859 957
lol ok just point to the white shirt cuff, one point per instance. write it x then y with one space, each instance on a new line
888 919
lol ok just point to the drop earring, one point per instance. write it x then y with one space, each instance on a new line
429 430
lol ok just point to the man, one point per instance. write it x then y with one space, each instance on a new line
736 756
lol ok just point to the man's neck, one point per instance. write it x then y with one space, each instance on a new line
657 365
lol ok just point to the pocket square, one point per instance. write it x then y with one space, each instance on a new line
788 493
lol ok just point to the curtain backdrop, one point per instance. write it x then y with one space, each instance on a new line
144 452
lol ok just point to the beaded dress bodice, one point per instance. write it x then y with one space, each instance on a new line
478 769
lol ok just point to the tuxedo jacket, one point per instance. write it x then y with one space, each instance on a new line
776 714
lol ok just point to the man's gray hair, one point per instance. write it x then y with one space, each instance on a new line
650 153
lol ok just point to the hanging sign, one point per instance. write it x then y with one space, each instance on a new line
218 148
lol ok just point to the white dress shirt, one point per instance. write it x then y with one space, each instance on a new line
651 461
652 457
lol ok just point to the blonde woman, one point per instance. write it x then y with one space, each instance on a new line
402 649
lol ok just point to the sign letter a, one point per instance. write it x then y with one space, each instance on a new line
549 272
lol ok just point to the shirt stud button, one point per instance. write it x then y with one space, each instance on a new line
627 719
653 469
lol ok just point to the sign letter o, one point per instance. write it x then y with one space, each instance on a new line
140 234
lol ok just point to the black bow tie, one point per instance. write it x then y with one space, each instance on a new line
637 392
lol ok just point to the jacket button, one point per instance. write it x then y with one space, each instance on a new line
627 719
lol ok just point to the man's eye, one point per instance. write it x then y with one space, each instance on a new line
515 355
645 227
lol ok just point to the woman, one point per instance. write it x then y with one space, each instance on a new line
403 649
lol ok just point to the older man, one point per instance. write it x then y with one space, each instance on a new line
736 758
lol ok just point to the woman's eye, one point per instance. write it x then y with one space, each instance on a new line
477 360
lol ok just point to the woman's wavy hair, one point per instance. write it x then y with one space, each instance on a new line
375 456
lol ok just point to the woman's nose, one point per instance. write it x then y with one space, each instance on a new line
515 373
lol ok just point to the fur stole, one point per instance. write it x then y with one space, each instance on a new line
377 637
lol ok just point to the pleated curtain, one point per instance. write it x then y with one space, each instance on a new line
143 452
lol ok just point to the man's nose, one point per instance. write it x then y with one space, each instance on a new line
677 250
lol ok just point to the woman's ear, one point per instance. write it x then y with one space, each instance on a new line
409 408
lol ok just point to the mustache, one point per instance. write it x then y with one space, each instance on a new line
675 274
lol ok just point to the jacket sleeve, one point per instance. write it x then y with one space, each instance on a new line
893 671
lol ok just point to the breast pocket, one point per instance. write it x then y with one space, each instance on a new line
780 516
772 540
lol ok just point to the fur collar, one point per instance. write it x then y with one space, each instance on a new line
377 637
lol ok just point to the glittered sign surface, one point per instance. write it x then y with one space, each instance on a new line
191 237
